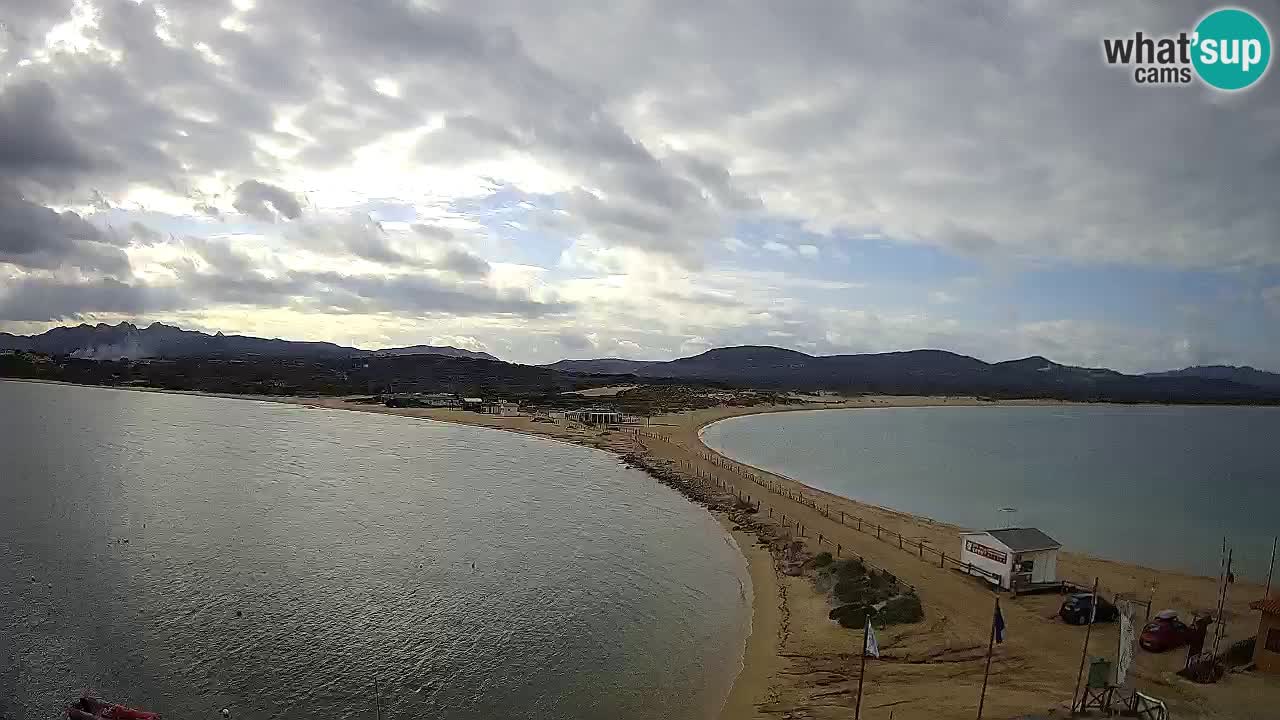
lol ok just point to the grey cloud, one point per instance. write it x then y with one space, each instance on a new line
434 232
232 277
34 140
421 295
1271 299
37 299
24 25
359 235
37 237
356 233
265 201
573 341
163 113
464 263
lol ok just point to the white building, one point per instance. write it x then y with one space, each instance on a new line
1019 557
595 416
505 409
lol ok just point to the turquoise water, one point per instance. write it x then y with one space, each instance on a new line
1155 485
281 560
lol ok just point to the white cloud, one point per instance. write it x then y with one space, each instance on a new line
782 249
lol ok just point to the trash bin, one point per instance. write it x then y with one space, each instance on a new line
1099 672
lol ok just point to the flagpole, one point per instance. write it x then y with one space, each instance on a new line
1267 594
1093 610
991 644
862 672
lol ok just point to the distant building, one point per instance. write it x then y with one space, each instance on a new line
595 416
1017 557
504 408
439 400
413 399
1266 649
473 403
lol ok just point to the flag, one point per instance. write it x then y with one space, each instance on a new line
997 622
870 648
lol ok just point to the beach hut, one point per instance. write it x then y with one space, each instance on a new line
1013 558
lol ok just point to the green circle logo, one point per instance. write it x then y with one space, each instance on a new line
1232 49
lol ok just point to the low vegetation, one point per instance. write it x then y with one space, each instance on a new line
859 592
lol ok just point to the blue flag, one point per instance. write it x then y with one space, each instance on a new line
997 623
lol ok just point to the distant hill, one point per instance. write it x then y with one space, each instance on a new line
157 340
773 366
1244 375
220 361
110 342
929 372
607 366
447 350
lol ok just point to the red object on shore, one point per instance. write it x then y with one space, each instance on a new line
92 708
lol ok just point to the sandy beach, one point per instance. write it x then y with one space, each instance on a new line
798 663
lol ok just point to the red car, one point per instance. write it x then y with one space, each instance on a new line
1166 632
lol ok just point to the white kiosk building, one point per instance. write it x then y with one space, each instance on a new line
1019 557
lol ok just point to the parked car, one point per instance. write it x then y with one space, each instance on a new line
1075 609
1166 632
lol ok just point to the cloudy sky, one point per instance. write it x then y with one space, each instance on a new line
638 179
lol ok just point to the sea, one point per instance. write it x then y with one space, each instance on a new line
1160 486
187 554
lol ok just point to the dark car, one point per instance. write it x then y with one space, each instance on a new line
1075 610
1166 632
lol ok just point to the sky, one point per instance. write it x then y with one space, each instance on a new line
638 179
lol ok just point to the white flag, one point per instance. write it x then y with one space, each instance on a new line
870 647
1128 640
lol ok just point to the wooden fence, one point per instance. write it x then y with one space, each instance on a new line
917 547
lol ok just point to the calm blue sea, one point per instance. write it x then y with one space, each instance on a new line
1154 485
186 554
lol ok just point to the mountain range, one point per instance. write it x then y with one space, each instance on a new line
942 372
912 372
157 340
608 366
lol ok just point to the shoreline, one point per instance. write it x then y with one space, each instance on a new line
796 660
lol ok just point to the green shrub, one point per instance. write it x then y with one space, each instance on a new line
822 559
853 615
850 568
852 590
883 581
902 609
